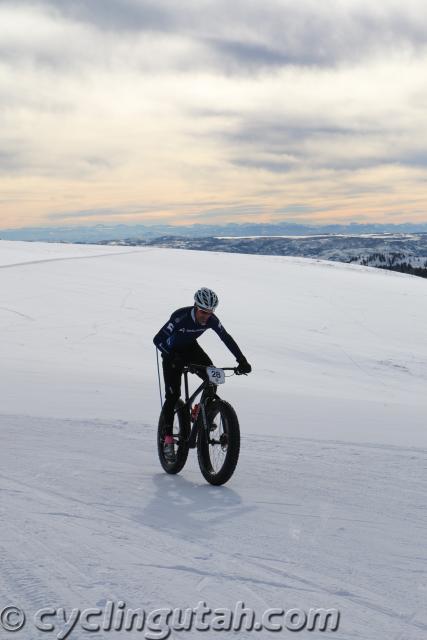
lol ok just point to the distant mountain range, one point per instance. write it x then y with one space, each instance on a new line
101 232
400 247
396 251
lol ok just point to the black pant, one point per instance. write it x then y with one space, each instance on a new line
193 354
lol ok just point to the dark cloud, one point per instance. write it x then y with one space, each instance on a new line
116 15
273 166
251 35
340 162
279 132
272 146
235 55
279 147
318 161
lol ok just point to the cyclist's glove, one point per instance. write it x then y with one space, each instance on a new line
244 367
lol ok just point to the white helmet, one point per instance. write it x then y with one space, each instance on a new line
206 299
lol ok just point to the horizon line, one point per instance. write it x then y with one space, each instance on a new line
224 224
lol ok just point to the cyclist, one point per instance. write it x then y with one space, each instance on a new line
177 342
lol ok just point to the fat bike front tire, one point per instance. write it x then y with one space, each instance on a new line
181 432
218 449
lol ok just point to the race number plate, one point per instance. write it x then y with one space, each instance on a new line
215 375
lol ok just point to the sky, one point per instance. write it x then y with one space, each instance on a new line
211 111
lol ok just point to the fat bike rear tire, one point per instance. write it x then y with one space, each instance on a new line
181 432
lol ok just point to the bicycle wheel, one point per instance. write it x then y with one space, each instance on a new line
181 432
218 452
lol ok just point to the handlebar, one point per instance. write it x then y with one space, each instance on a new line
192 368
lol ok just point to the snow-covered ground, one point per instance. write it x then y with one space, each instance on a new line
327 505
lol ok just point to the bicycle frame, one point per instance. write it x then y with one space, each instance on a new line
207 390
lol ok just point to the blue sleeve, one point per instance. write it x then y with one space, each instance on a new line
164 338
229 342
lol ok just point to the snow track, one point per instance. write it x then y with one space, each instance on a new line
91 517
29 263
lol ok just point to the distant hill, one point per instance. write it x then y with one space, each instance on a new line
100 232
402 252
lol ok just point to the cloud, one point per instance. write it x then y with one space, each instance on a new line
239 37
298 209
101 212
28 158
276 148
11 161
115 15
274 165
112 103
245 211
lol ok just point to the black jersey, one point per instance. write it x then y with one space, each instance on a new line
182 329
